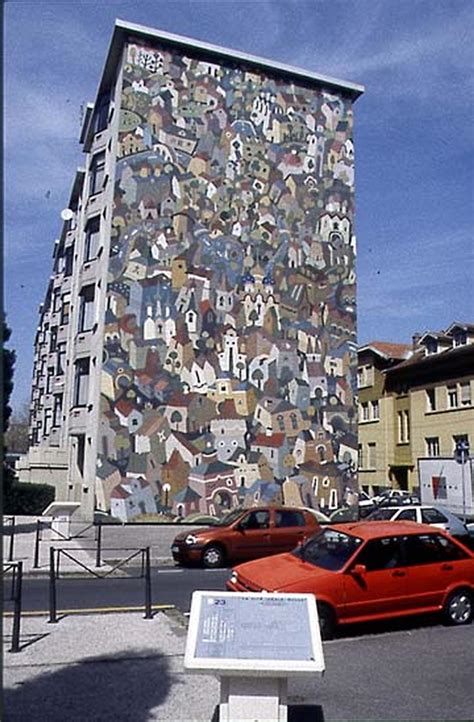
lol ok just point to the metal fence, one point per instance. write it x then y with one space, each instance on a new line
55 556
16 571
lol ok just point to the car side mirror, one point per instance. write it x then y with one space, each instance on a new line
359 570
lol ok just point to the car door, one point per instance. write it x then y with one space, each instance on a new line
381 589
432 564
288 529
252 535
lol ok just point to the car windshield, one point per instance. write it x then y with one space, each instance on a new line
230 517
381 514
330 549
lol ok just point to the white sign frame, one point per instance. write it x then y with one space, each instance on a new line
259 667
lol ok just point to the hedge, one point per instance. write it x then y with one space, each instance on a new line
28 499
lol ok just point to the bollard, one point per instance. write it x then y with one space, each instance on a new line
52 588
12 539
17 612
148 611
37 544
98 559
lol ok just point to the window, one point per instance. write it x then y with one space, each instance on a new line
421 549
460 338
97 173
57 409
365 376
380 554
92 239
372 455
375 410
286 517
47 418
333 504
452 392
281 422
448 550
256 520
460 439
86 308
56 300
81 382
101 113
53 339
65 308
60 359
431 346
80 452
68 260
432 516
431 399
465 393
364 411
432 446
407 515
403 427
49 380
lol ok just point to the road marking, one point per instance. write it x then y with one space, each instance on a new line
94 610
169 571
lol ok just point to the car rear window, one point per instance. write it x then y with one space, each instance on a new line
330 549
287 517
433 516
381 515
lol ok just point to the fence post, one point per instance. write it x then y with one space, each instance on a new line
12 591
52 588
98 558
148 611
12 539
37 544
17 612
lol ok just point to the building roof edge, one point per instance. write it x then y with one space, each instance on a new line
123 28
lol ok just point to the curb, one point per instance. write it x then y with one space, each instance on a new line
71 572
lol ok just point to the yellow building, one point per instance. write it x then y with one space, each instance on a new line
414 402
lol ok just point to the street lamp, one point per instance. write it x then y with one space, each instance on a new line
461 454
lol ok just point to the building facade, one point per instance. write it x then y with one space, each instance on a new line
203 287
415 402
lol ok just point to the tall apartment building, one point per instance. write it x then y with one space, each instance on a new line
196 347
415 402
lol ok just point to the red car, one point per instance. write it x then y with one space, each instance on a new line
245 534
371 571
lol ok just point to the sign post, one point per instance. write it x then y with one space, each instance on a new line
254 642
461 454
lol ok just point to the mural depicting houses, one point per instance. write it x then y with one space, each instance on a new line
229 358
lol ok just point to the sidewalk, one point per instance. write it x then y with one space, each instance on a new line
118 542
103 667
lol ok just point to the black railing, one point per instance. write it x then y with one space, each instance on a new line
11 544
55 570
16 569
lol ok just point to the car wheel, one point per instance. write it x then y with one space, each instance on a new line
327 621
213 557
459 607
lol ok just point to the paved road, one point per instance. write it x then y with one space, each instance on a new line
169 586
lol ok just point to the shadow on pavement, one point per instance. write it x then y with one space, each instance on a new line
113 687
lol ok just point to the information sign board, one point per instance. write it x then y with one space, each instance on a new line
272 634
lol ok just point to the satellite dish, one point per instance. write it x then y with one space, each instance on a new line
67 214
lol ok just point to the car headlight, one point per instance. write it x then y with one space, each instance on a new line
234 577
191 539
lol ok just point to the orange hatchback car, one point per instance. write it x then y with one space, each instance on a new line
245 534
369 571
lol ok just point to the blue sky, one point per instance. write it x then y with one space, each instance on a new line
414 136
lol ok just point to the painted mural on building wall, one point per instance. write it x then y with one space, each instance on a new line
228 373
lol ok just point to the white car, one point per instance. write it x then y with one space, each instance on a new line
391 495
435 515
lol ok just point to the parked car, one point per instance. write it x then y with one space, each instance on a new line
396 496
371 571
245 534
437 516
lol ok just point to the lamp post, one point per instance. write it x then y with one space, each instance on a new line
461 454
